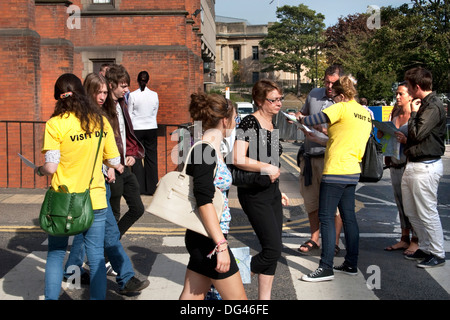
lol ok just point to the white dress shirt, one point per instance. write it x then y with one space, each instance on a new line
143 108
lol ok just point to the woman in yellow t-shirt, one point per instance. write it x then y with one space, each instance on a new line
349 127
71 139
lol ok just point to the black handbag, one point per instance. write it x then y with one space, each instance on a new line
65 213
372 161
248 179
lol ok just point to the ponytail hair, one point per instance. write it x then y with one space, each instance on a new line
70 96
345 85
210 109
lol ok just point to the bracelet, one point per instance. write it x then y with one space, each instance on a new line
216 248
219 251
38 171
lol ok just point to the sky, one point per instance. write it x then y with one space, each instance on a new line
262 12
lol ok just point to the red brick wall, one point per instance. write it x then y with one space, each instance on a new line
37 47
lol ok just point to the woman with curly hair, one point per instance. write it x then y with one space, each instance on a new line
210 261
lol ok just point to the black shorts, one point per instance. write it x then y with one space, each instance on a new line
199 247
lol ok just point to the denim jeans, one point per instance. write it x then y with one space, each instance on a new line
342 196
114 250
127 186
93 241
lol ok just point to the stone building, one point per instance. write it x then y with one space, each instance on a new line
239 55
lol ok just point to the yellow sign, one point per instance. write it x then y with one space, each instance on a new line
385 112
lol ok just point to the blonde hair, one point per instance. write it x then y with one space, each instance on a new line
346 86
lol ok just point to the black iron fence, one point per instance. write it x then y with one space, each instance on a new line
26 137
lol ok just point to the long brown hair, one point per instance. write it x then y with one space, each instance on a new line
70 96
93 83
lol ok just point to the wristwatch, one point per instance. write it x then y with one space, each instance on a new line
38 171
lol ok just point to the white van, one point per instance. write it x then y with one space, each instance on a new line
244 109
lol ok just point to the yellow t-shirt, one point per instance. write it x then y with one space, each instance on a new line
348 132
78 151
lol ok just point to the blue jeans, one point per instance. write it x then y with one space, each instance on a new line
114 250
331 197
93 242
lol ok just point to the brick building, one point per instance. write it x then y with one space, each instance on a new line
40 40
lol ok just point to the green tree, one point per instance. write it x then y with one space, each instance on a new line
408 37
346 44
436 18
291 42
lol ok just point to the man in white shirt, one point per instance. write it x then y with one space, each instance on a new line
143 108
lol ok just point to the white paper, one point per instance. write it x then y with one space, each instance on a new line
294 119
386 127
243 258
27 162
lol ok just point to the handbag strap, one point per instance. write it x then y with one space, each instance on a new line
188 157
96 155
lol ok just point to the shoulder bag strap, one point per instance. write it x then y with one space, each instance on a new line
188 157
96 155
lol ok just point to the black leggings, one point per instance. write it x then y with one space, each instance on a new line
264 211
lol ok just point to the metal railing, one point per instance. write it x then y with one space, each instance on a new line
26 138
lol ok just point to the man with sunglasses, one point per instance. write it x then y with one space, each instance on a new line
311 158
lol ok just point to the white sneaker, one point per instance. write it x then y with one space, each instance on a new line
109 269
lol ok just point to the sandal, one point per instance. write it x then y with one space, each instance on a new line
309 247
414 244
402 239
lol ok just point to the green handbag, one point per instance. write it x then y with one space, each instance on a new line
66 214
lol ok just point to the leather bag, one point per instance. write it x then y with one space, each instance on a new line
66 214
372 161
248 179
174 200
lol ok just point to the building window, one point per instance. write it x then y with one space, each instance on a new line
237 53
255 77
98 63
255 53
99 5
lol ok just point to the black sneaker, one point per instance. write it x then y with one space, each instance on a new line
417 255
346 269
320 274
134 285
431 262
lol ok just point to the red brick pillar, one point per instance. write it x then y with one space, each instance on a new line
20 80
